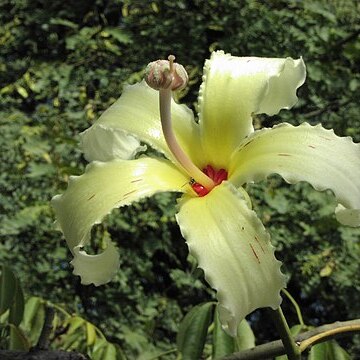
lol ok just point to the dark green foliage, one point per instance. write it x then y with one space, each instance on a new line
193 330
63 63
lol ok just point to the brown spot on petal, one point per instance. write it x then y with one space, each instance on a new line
91 197
312 146
129 193
248 143
255 254
282 154
258 241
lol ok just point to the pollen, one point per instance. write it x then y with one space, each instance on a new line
218 176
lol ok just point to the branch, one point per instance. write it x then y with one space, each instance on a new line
304 340
334 105
41 350
40 355
44 339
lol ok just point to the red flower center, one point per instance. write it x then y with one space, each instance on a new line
218 176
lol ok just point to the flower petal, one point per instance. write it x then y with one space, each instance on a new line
107 144
87 266
136 113
304 153
93 195
233 247
236 87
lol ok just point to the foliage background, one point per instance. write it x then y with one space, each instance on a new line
63 63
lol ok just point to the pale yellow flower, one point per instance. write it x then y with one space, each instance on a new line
222 231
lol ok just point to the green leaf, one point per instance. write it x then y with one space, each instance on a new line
18 340
17 308
223 344
23 218
104 350
22 91
74 323
63 22
7 288
117 34
90 334
329 350
193 330
109 353
245 338
39 170
34 316
320 9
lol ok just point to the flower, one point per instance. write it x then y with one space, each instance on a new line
208 161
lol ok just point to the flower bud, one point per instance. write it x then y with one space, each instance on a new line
165 74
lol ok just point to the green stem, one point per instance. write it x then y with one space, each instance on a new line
296 306
292 350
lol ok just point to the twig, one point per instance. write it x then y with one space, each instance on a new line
334 105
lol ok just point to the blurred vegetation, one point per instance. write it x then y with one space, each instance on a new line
63 63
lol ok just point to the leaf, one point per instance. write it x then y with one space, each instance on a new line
109 353
223 344
90 334
118 34
17 308
22 91
329 350
18 340
327 269
245 338
39 170
34 316
193 330
318 8
104 350
63 22
22 219
74 323
7 288
74 341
